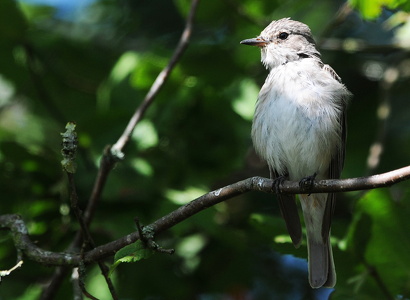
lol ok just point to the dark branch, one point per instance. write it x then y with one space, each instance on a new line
110 158
87 239
22 241
113 154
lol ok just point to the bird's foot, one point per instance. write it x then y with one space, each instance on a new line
307 183
277 182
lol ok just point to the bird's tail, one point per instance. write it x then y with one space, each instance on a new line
320 256
320 262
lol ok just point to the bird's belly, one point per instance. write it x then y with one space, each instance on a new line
294 139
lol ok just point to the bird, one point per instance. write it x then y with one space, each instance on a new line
299 129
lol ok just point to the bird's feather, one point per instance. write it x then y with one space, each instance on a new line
289 211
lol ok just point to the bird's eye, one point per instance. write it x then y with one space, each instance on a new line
283 35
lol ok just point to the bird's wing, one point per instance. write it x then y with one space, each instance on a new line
332 72
336 164
289 210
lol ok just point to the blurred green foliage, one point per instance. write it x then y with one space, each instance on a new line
371 9
96 68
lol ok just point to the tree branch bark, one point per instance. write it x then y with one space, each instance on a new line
112 154
22 241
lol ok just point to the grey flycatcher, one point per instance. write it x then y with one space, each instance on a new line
299 128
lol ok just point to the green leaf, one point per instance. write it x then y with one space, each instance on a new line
244 104
145 136
371 9
124 67
131 253
183 197
385 229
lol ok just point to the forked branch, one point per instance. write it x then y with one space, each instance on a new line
22 241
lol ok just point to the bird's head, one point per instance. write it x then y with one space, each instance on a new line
283 41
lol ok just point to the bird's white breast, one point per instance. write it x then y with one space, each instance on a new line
296 127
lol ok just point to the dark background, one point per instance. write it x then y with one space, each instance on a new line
94 67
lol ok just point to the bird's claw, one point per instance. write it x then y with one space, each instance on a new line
277 182
307 182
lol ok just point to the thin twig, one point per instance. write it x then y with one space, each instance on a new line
158 83
75 279
77 212
81 281
88 241
106 165
7 272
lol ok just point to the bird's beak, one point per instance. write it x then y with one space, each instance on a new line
258 41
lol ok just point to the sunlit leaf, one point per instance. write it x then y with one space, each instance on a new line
244 104
184 196
371 9
130 254
145 135
125 65
142 166
189 248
